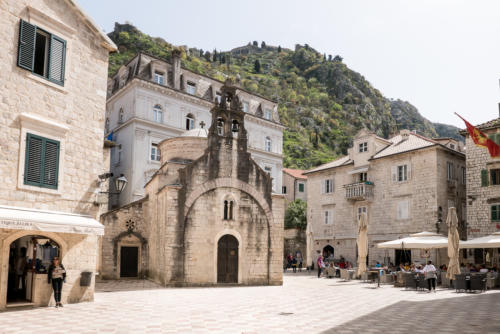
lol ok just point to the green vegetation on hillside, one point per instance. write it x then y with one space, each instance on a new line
322 102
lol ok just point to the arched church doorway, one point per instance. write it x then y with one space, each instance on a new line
227 259
129 261
29 257
328 251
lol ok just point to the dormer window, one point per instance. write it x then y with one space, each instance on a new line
189 122
246 106
158 78
363 147
268 114
191 88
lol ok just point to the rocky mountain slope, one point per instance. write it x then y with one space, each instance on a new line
322 102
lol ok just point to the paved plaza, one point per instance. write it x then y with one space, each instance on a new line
304 304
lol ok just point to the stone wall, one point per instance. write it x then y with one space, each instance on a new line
294 241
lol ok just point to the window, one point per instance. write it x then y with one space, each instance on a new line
363 177
301 187
363 147
191 88
41 162
328 186
495 213
361 210
189 122
452 146
268 144
228 210
449 169
402 173
268 114
107 125
155 152
403 210
495 177
120 116
158 78
328 217
246 106
484 178
283 190
464 175
41 52
157 114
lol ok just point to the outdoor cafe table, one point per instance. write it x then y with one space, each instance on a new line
376 273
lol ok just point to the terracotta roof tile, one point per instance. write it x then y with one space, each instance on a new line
296 173
336 163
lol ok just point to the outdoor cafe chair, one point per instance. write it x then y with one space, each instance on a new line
421 283
478 282
410 281
460 282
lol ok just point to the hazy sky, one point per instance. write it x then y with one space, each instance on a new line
441 56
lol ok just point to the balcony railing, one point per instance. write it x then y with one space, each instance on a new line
359 191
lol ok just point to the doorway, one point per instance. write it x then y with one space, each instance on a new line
129 261
403 256
328 251
227 259
29 256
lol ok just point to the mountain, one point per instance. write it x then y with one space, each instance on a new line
322 102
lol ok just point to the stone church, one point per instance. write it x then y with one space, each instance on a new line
209 215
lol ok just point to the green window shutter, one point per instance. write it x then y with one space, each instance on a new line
484 178
495 214
301 187
50 164
26 48
57 59
33 160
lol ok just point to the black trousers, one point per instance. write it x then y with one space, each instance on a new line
319 271
431 281
57 284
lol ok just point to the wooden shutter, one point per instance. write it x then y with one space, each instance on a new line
26 48
484 178
33 160
57 59
51 164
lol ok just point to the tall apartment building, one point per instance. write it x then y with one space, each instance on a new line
483 188
53 98
404 184
150 100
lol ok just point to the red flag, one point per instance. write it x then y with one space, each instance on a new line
480 139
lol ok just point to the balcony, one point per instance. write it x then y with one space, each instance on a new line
359 191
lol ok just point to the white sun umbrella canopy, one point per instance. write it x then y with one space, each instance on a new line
490 241
453 242
362 243
422 240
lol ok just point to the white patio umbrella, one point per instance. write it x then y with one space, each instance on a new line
362 243
490 241
453 241
309 245
422 240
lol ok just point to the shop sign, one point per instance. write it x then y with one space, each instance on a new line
16 224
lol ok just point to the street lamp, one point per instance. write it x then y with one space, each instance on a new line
120 183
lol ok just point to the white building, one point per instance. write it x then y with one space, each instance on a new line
150 100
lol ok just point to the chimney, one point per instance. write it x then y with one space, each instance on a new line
176 68
404 134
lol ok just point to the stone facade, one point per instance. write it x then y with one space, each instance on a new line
150 100
185 213
481 195
71 113
294 185
295 241
398 200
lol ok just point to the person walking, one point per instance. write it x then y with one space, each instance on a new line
320 264
56 276
430 275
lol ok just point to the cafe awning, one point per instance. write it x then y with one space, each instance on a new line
422 240
489 241
48 221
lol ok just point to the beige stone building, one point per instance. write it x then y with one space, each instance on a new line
209 215
294 185
54 63
483 191
404 184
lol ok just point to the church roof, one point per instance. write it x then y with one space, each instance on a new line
198 132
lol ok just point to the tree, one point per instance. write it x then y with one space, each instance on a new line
223 59
338 58
279 48
255 43
263 45
329 57
324 56
207 56
214 59
201 53
295 215
256 66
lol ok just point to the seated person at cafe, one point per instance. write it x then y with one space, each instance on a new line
407 266
401 268
482 269
378 265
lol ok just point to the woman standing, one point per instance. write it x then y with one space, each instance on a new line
57 275
430 275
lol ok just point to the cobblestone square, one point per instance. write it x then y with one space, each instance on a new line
304 304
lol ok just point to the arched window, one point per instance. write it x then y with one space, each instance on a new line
268 144
228 210
120 116
220 126
157 114
189 122
107 124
